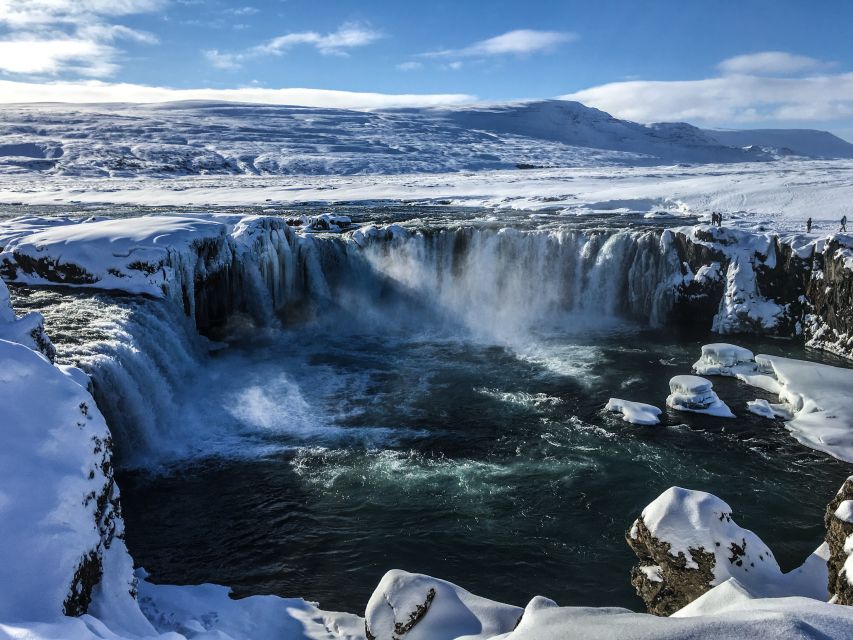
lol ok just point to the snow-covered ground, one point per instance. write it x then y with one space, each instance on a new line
778 195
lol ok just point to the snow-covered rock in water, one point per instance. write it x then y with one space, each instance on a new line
695 394
761 407
634 412
722 359
328 222
410 606
792 618
687 543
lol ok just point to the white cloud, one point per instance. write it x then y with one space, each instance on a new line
411 65
518 42
771 63
51 37
728 99
348 36
242 11
93 91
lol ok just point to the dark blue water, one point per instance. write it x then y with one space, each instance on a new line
488 466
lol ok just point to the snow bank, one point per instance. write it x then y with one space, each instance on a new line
695 394
820 400
145 255
634 412
418 607
815 398
58 518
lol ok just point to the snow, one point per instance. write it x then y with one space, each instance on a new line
815 398
634 412
697 520
724 359
730 611
845 511
696 394
761 407
137 255
445 611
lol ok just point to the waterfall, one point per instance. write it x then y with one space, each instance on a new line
504 285
508 282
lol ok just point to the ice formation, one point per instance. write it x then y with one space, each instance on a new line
815 397
634 412
695 394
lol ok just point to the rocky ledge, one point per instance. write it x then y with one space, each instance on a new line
738 281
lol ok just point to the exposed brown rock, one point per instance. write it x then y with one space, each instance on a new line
679 584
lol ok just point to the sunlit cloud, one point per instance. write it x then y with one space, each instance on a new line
771 63
53 37
760 88
348 36
518 42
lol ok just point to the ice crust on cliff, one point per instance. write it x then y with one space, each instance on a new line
696 394
634 412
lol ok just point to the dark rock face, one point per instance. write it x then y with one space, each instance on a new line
813 290
837 531
674 584
829 326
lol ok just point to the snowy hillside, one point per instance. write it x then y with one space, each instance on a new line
231 138
799 142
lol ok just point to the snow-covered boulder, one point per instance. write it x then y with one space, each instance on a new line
634 412
687 543
696 394
409 606
723 359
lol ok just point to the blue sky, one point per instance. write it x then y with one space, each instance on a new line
746 63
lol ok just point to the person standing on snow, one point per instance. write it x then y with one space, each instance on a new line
809 225
844 224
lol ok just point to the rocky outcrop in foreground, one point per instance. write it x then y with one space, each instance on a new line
839 538
687 543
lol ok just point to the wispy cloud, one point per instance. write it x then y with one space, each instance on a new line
410 65
519 42
771 63
348 36
94 91
52 37
748 94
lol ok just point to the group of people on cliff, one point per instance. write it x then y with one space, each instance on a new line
717 221
842 228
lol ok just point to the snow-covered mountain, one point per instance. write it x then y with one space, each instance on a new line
211 137
809 143
188 138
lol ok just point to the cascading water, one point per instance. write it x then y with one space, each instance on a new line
506 284
380 405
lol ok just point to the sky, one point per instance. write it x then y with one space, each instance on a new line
719 63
